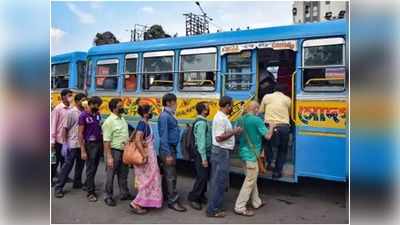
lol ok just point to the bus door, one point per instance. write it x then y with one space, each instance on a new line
276 66
321 110
239 82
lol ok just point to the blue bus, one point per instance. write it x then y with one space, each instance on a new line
67 71
309 60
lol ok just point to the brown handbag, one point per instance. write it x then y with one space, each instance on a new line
132 155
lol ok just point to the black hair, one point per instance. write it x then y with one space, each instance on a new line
95 100
280 88
168 98
79 97
200 107
224 101
143 109
113 103
65 92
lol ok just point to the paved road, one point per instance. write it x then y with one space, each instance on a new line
310 201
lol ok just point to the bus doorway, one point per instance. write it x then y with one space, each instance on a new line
276 67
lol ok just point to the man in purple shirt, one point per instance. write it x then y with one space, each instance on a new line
57 134
73 153
90 142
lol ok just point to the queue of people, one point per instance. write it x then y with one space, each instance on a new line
79 137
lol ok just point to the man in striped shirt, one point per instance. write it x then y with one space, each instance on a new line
74 154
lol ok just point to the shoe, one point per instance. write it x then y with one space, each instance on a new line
59 194
216 214
110 202
203 200
126 197
138 210
177 207
276 175
196 205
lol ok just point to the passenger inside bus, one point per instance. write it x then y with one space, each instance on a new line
275 70
107 75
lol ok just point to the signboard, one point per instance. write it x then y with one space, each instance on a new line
323 114
276 45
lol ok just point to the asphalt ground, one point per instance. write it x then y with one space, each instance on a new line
308 201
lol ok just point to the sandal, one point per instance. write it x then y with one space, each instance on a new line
262 204
137 209
92 198
244 213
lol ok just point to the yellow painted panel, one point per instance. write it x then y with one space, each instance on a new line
323 114
186 107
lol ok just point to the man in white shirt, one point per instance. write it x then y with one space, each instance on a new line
223 140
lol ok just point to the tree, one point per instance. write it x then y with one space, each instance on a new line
154 32
105 39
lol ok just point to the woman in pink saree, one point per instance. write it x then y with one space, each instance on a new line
147 176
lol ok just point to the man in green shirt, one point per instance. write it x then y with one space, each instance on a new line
254 130
202 136
115 136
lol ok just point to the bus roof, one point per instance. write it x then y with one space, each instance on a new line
68 57
328 28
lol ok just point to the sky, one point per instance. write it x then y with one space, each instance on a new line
74 24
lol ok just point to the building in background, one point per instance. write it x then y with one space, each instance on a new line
316 11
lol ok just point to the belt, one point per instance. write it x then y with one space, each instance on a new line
278 125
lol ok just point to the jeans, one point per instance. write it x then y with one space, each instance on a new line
219 178
59 160
121 170
92 162
200 184
280 139
169 178
74 155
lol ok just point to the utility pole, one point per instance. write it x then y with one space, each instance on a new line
137 33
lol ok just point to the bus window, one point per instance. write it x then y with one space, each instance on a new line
107 74
81 73
198 69
89 75
158 71
238 76
323 65
59 75
130 77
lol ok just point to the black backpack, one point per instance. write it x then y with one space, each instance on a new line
189 142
